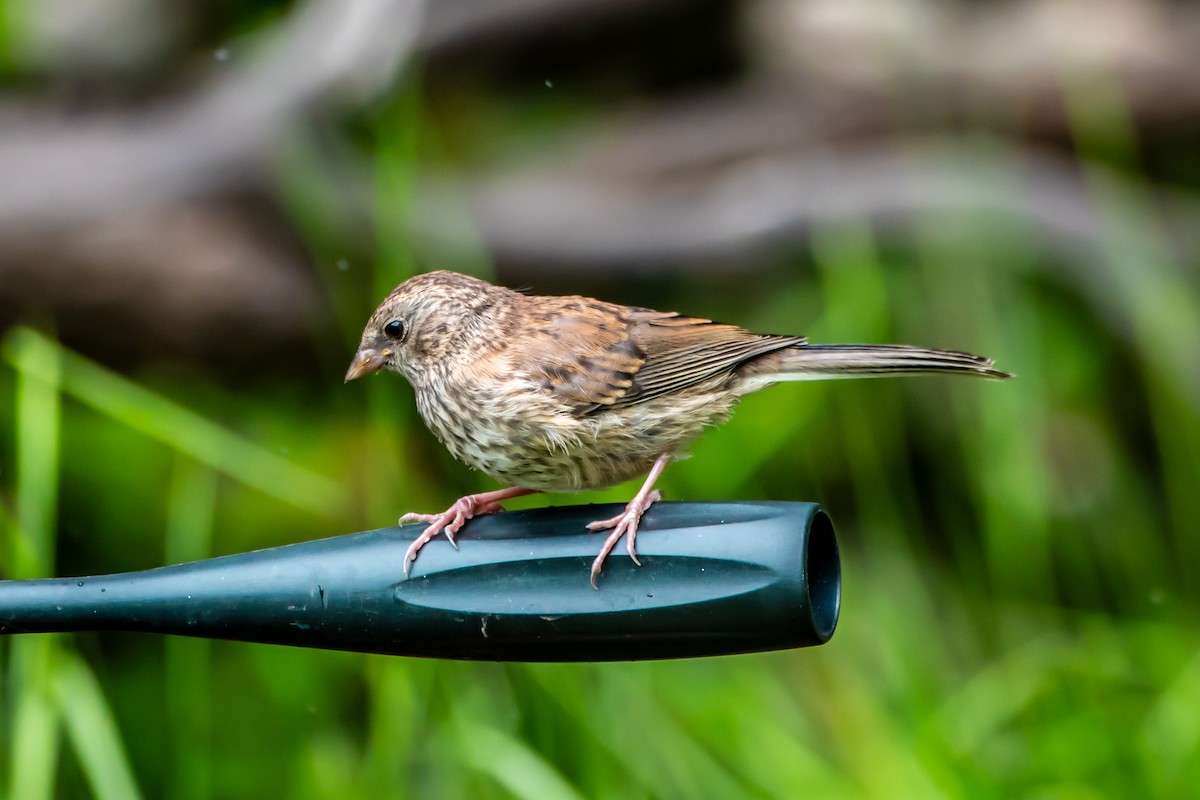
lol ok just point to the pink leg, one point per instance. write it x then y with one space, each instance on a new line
626 523
453 518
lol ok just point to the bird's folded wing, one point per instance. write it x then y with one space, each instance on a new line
683 351
603 356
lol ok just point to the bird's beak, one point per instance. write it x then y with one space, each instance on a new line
366 361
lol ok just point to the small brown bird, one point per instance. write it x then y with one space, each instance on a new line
563 394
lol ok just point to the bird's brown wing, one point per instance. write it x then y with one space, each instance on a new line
577 350
683 351
591 355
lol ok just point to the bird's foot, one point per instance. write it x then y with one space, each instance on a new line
623 524
448 522
454 517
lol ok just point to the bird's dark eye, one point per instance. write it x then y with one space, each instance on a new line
396 329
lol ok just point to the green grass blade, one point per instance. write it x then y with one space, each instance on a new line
38 411
513 764
398 130
170 423
34 724
1161 300
93 731
188 662
35 738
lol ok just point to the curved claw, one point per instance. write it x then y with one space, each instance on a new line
410 555
623 524
450 521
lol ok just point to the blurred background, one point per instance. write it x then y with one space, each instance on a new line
200 204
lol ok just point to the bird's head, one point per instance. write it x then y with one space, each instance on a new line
431 320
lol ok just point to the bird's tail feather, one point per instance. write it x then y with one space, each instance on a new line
825 361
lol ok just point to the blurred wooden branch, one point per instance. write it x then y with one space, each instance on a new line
333 56
330 56
740 209
713 180
735 215
115 219
1008 66
457 27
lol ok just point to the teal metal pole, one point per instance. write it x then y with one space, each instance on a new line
716 578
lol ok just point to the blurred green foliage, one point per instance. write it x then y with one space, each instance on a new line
1020 559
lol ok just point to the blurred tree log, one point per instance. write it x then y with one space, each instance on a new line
833 110
135 209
